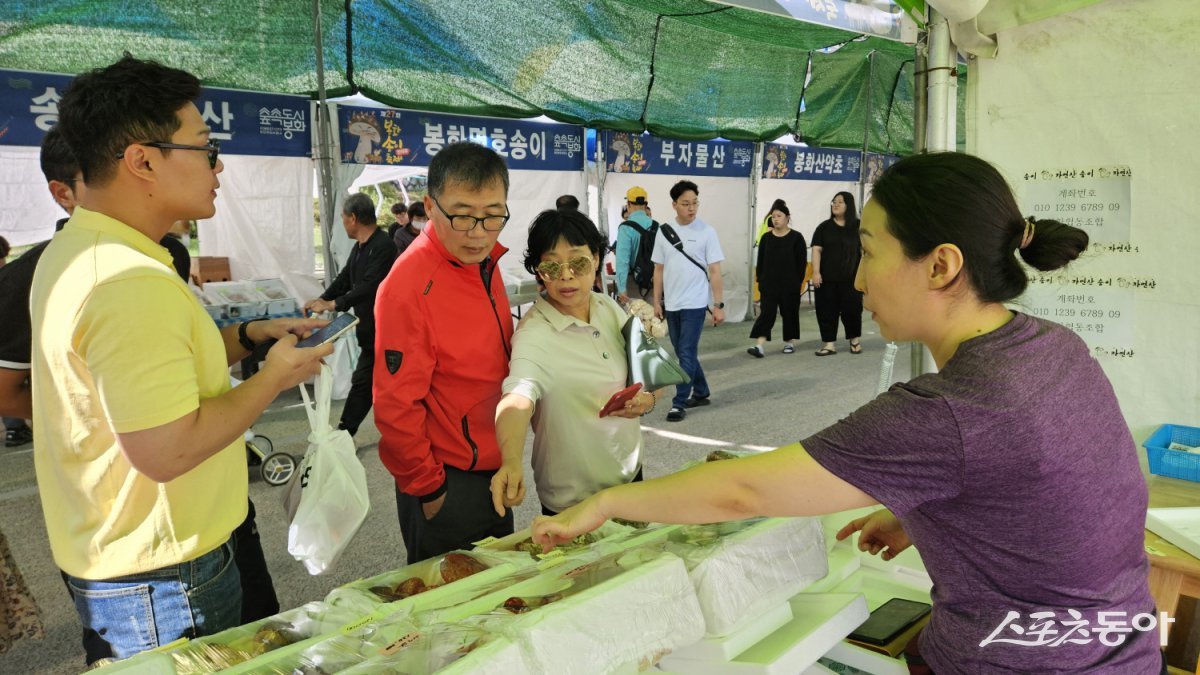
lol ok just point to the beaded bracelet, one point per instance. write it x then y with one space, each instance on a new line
653 402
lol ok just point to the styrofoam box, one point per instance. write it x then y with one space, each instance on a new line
644 611
233 292
1178 525
742 574
499 656
820 621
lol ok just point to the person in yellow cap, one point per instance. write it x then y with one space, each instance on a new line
635 243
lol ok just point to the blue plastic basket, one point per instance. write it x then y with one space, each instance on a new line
1174 463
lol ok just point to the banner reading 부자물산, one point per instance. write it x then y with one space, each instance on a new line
393 137
244 122
628 152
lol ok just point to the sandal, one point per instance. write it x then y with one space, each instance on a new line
856 349
825 351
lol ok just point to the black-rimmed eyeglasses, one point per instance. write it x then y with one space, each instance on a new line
213 149
465 223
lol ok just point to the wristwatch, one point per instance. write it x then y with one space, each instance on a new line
244 339
719 305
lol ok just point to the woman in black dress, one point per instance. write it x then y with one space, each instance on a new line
836 253
782 258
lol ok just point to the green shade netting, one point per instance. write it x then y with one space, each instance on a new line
686 69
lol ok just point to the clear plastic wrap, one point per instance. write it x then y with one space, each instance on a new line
741 568
460 568
397 644
521 541
237 646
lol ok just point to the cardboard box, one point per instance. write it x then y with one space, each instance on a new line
210 268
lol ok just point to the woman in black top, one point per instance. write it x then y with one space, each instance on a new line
782 258
836 254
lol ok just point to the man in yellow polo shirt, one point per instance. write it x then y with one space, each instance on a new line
139 454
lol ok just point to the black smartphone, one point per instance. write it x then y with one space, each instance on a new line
891 619
330 331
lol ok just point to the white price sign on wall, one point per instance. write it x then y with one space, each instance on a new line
1102 316
1094 199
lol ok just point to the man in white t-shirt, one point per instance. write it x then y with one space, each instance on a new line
687 283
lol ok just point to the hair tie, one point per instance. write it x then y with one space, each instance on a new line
1027 237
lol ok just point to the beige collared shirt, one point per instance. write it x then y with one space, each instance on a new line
569 369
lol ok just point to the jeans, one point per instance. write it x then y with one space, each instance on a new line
143 611
684 327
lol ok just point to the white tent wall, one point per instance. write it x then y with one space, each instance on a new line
27 211
1112 84
724 204
530 193
264 218
808 200
351 178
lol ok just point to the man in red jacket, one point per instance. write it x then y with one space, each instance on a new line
441 352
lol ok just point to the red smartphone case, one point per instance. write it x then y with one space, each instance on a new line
618 399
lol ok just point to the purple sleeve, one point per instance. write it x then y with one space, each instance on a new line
903 448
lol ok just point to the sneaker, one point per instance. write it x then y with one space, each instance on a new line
676 415
789 349
756 351
696 402
14 438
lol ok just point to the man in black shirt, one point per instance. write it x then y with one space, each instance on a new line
368 264
65 182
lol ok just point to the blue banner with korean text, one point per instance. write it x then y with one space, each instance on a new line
628 152
245 122
798 162
875 165
410 138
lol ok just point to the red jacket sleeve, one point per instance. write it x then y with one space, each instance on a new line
404 344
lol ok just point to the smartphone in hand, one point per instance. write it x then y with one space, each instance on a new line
619 399
331 331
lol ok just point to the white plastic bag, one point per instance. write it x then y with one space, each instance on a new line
331 485
344 360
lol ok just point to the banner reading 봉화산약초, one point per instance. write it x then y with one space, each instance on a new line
393 137
244 122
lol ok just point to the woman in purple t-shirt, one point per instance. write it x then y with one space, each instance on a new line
1011 469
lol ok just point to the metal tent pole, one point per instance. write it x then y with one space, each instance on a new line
755 173
324 156
862 163
941 99
935 109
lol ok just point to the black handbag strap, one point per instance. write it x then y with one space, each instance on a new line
673 238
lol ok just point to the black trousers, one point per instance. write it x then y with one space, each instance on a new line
358 401
839 300
466 516
258 590
788 306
